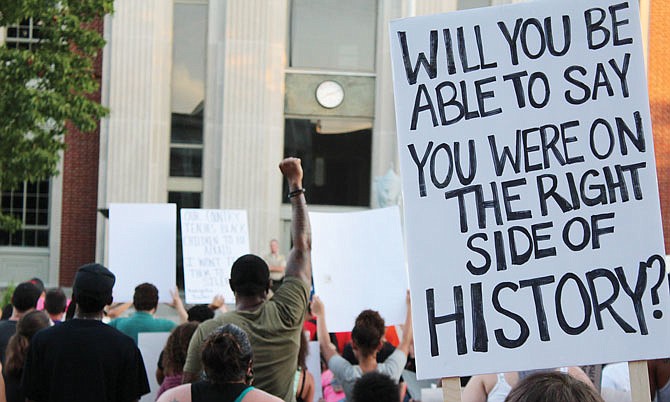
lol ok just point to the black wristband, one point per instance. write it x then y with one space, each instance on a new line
296 193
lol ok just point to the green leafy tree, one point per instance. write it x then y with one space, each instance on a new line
47 87
7 295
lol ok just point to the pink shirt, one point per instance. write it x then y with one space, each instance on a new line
329 394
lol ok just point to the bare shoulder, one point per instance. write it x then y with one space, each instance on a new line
257 395
579 374
478 388
181 393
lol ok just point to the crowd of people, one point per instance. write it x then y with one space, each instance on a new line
254 353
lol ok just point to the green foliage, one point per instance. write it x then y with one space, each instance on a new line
46 88
7 295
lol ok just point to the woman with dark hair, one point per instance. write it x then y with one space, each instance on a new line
366 340
227 360
552 386
174 356
496 387
17 349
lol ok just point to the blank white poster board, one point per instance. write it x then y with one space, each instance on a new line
151 344
142 248
212 239
531 205
358 263
314 367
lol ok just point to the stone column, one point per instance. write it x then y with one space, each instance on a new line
244 112
384 137
135 138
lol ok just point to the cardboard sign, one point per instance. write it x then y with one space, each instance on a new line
363 253
212 239
143 248
532 214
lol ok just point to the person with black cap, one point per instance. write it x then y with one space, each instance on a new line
273 325
84 359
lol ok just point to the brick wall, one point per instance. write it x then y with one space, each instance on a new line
659 99
80 194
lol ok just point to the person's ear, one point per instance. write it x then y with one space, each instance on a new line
111 300
230 283
250 373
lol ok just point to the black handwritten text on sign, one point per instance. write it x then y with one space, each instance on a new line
531 203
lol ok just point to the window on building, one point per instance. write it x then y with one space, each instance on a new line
324 37
334 140
186 143
335 159
30 204
188 90
188 108
24 35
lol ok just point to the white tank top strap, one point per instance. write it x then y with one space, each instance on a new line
500 390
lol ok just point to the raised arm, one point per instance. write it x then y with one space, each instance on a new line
178 305
407 331
327 348
299 262
218 304
117 309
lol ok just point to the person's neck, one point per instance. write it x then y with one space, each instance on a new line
16 315
88 316
368 363
248 303
56 317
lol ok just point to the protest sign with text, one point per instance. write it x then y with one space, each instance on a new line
532 214
212 239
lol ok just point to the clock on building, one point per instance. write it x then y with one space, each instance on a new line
329 94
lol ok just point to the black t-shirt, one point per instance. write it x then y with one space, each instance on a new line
7 329
13 391
83 360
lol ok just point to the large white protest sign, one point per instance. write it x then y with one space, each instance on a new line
212 239
142 248
151 345
532 212
358 263
313 363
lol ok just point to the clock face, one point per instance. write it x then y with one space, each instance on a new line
329 94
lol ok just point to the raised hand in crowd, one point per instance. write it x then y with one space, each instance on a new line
178 305
218 303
